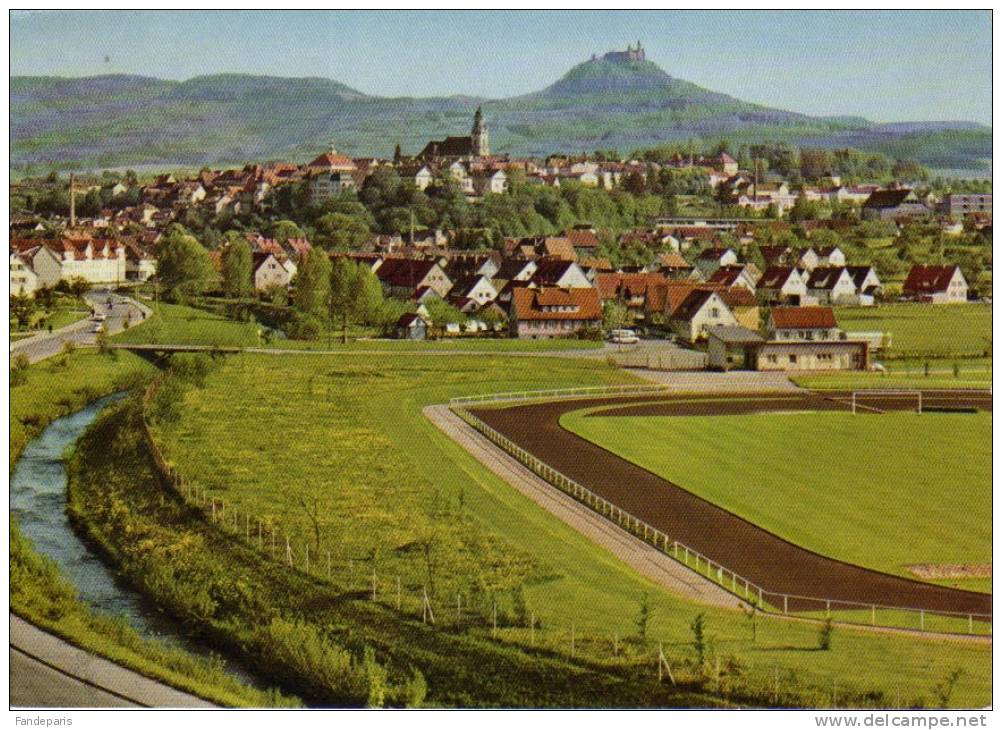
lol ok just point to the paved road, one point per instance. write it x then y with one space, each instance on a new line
45 671
45 345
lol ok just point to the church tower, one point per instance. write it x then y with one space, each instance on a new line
479 141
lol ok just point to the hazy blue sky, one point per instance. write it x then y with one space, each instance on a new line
887 66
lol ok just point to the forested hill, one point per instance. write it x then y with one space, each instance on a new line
121 120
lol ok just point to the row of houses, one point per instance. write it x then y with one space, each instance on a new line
37 263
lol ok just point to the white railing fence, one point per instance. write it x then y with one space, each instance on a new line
842 611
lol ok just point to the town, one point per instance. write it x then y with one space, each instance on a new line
417 224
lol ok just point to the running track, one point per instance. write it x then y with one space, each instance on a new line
752 552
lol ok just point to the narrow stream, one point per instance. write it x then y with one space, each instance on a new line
38 501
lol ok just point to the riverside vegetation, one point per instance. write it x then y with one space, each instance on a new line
352 434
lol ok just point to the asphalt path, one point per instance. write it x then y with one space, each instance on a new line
48 344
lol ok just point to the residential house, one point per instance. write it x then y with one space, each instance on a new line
743 305
892 204
553 312
23 279
477 289
270 271
493 182
830 256
775 255
421 175
584 240
783 285
559 273
936 284
140 265
807 258
412 327
868 286
810 324
702 310
735 275
402 277
640 293
711 259
832 285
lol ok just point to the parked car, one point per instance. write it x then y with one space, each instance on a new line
97 327
98 317
624 337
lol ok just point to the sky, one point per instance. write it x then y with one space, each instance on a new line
883 65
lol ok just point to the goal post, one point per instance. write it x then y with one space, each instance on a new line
858 395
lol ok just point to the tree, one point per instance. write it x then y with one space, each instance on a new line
343 231
355 295
442 314
643 620
22 308
313 283
237 269
283 230
183 266
615 315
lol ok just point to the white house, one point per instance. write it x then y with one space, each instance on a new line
23 279
701 311
270 272
936 284
783 285
832 285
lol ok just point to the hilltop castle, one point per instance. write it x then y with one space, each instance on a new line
630 55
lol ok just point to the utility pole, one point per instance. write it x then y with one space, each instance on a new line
73 201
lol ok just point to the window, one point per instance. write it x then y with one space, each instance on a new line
771 358
793 359
714 312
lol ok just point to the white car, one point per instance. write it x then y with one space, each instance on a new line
624 337
97 327
98 317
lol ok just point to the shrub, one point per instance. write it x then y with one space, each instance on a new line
305 327
825 635
19 370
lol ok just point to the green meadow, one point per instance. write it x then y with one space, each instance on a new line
866 489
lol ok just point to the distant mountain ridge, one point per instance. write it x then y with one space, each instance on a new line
618 101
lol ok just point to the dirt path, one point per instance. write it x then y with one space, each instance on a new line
638 555
754 553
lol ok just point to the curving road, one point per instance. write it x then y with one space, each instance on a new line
49 344
754 553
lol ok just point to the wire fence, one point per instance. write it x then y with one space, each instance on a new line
842 611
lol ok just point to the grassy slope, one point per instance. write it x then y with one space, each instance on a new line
969 377
61 385
898 503
41 594
588 586
921 329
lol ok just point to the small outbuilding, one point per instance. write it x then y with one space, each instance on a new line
412 327
732 348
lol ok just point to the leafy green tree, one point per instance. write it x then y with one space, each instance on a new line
22 309
442 314
183 266
356 295
342 231
237 269
313 283
615 315
283 230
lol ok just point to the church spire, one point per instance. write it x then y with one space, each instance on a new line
479 140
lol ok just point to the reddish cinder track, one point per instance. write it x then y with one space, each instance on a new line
754 553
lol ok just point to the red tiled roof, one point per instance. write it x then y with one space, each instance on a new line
928 279
582 238
528 304
803 318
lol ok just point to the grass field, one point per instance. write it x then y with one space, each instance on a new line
955 330
265 430
864 489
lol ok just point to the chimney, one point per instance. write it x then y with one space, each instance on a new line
73 202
